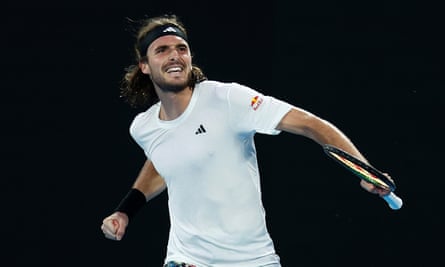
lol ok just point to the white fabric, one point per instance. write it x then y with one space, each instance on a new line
217 217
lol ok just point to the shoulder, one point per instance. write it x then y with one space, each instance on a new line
148 113
144 117
218 84
218 88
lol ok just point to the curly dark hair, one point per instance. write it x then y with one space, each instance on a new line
137 88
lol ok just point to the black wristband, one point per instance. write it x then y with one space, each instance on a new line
132 203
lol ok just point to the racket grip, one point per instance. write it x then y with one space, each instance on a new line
394 202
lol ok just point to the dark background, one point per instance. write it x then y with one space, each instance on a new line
374 69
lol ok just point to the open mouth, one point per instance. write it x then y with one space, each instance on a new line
174 69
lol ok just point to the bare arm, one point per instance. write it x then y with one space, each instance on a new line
149 181
299 121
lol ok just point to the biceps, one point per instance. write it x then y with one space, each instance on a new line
304 123
298 121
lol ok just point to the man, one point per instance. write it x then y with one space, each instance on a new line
198 137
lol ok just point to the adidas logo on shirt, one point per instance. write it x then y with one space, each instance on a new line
200 130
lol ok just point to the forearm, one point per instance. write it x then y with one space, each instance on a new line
149 182
324 132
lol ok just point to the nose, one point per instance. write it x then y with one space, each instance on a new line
173 55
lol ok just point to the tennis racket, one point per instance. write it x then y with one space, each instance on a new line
366 172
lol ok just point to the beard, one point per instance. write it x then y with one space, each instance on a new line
172 87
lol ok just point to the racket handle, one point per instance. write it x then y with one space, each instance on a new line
394 202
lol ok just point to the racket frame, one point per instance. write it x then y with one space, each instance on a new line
373 175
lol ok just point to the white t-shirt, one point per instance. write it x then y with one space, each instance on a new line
208 159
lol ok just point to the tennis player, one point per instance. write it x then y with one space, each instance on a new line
198 138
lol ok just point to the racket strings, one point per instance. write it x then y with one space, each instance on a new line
360 171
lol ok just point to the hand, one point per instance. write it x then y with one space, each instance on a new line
374 189
114 225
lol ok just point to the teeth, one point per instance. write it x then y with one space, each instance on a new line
173 69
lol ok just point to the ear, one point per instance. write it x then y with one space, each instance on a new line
143 65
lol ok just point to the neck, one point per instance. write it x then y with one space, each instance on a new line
173 104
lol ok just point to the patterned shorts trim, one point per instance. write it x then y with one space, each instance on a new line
178 264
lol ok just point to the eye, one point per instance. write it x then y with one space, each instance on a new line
160 50
182 48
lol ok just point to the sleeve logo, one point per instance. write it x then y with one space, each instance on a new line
256 102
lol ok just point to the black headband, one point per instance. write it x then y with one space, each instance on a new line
162 30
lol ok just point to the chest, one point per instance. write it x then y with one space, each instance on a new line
195 147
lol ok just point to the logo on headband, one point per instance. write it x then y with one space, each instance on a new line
169 29
159 31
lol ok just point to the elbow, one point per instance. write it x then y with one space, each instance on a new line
319 130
